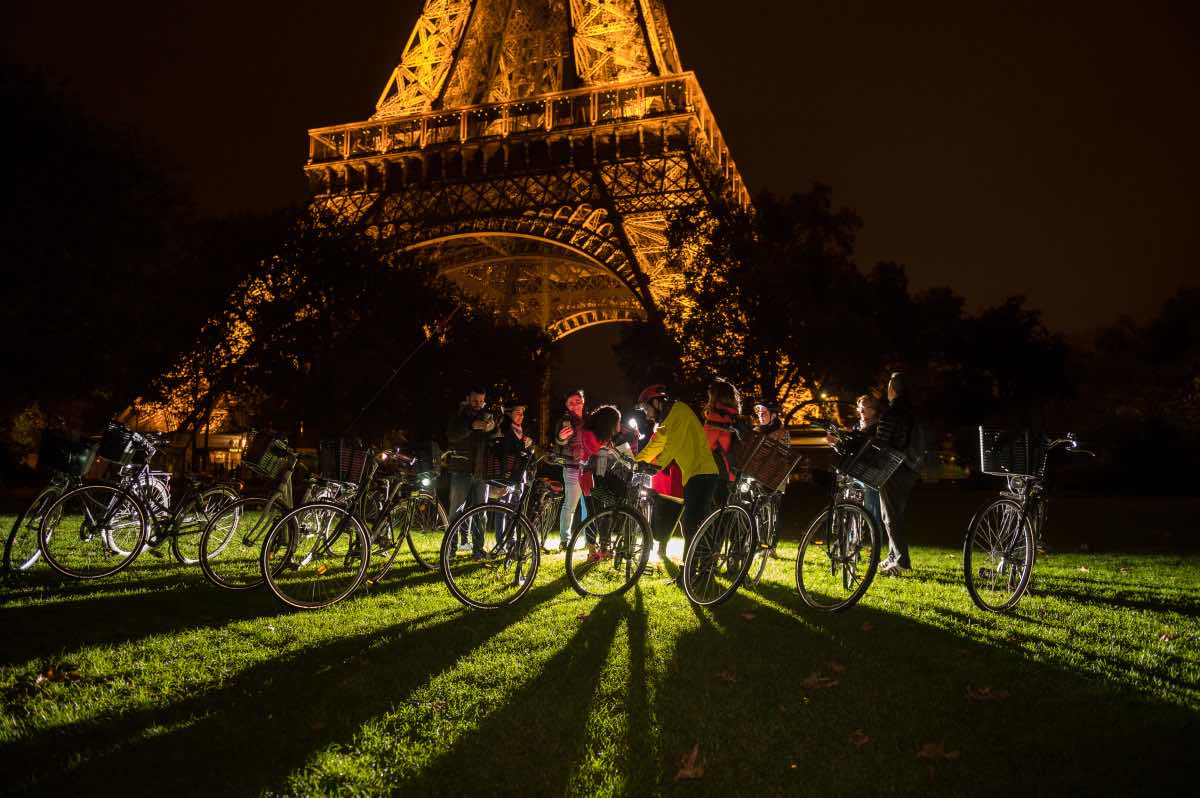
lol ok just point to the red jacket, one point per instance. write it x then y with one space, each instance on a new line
588 445
719 440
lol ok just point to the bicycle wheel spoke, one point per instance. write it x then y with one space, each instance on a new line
315 555
837 558
718 557
503 560
621 547
92 531
998 556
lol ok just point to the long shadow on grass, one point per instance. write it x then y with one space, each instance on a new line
533 742
37 632
776 702
249 734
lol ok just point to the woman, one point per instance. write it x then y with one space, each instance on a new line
720 417
570 441
869 408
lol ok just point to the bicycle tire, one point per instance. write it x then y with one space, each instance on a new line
837 548
22 549
315 555
718 557
768 539
424 535
189 522
505 572
231 544
624 536
997 584
93 531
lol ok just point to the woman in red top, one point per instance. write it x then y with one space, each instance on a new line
597 432
720 414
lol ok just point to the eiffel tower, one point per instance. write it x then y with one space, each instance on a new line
533 151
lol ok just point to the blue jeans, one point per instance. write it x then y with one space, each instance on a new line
871 503
572 498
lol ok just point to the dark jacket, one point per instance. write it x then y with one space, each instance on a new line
896 424
464 440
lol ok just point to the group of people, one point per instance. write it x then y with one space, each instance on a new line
688 452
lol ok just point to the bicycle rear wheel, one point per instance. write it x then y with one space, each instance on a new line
998 556
21 549
622 539
718 557
192 519
764 545
231 544
315 555
838 557
93 531
427 523
504 561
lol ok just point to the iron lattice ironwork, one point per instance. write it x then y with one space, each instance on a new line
533 150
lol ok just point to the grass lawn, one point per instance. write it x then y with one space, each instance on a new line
173 687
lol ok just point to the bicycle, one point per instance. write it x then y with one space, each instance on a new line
408 509
719 555
1002 540
617 532
839 552
99 529
67 462
497 576
318 553
232 541
766 509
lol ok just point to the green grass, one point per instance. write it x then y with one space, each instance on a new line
1092 686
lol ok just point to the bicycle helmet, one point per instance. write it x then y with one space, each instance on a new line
657 391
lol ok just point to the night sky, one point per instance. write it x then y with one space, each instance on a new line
1008 147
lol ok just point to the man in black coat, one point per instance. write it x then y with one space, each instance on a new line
896 429
466 433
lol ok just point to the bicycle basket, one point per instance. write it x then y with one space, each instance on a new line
266 453
57 452
613 478
760 457
1003 453
873 464
343 460
116 443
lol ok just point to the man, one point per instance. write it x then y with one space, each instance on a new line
680 438
896 429
770 423
467 433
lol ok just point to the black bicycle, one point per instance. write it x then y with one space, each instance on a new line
839 552
1003 537
608 552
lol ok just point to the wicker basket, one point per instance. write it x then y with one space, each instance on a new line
761 457
873 464
266 453
343 460
1004 453
59 453
116 444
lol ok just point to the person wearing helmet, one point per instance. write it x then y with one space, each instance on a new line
680 438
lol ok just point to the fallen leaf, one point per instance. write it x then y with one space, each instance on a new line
583 616
728 676
1122 570
936 751
1168 636
815 681
59 674
690 766
836 666
1084 569
985 694
858 739
747 616
867 626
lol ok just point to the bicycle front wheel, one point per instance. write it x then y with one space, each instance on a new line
315 555
503 562
838 557
998 556
232 542
718 557
427 523
93 531
192 519
621 541
21 549
767 540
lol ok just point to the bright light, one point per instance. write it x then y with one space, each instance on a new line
744 485
633 423
426 482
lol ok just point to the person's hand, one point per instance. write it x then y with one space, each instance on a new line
647 468
566 432
528 441
489 425
478 425
832 439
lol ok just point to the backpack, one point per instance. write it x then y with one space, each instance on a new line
918 445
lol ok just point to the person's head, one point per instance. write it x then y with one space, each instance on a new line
869 409
653 401
604 422
897 386
476 397
722 392
574 401
765 412
516 414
